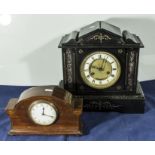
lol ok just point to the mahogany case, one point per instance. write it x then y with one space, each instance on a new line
69 112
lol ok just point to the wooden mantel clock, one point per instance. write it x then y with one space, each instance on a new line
45 111
100 64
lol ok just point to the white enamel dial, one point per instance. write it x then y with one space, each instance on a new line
43 112
100 70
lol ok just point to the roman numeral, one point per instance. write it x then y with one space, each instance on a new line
100 56
93 81
93 67
86 70
92 73
88 76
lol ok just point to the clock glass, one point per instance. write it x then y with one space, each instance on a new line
43 112
100 70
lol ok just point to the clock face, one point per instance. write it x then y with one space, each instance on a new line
100 70
43 112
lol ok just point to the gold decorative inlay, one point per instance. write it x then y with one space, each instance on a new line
100 37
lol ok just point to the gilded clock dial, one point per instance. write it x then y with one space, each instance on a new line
43 113
100 70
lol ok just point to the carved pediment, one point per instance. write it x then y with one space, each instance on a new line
99 37
101 34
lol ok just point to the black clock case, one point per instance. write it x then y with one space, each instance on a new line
126 94
133 103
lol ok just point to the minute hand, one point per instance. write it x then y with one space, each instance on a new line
48 115
104 64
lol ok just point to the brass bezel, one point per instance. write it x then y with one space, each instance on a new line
46 102
92 85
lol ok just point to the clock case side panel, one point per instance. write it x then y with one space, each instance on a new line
69 70
132 69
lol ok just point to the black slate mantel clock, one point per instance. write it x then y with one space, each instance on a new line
100 63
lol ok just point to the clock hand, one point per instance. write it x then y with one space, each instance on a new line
103 67
102 63
48 115
95 67
43 111
105 64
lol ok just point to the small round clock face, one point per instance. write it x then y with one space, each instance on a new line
100 70
43 112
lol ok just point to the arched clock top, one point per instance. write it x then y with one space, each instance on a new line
53 92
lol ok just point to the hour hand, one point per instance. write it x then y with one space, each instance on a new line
95 67
43 111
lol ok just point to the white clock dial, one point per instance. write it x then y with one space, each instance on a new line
43 112
100 70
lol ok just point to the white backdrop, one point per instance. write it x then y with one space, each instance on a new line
29 53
